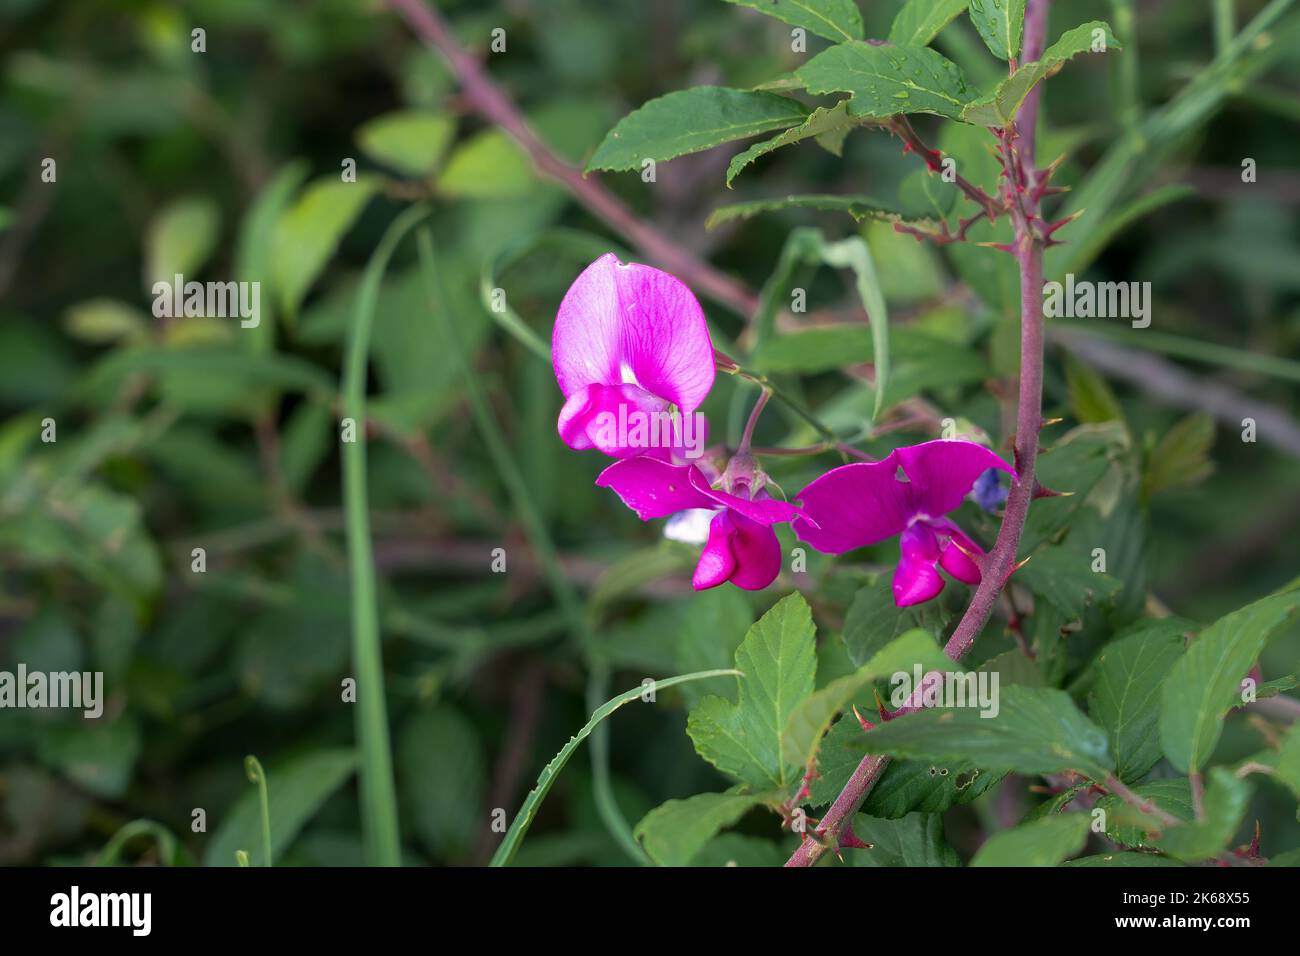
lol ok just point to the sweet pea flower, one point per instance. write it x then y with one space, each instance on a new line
633 357
909 493
741 546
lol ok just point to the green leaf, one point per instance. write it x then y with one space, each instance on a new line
1125 695
488 165
920 21
523 820
102 321
778 658
888 80
737 849
1206 682
309 232
999 107
180 240
832 19
1288 760
1091 399
676 831
688 121
1036 731
296 791
714 623
913 840
905 786
1129 826
1046 842
433 747
822 121
96 755
409 141
861 208
1182 456
809 721
1121 860
874 620
1226 799
999 23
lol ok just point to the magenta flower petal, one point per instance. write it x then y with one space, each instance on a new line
942 472
764 510
915 581
757 552
628 323
597 417
654 488
853 506
958 552
741 551
716 562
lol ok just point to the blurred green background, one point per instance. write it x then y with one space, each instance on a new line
183 433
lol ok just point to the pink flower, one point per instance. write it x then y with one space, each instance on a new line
907 494
742 547
633 357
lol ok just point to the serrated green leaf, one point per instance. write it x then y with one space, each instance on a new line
1287 767
738 849
913 840
1206 681
919 21
1036 730
809 721
688 121
999 24
1224 807
999 107
1125 695
1121 860
778 658
823 120
1091 399
674 832
1182 456
1046 842
832 19
888 80
861 208
409 141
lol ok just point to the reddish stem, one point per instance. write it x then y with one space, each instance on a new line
1018 157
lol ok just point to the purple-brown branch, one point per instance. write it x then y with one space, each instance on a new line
483 94
1018 160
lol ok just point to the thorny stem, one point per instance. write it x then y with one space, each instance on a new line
1018 157
934 161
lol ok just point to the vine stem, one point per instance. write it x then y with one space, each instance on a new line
1018 158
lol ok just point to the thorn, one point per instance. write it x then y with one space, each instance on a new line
1054 191
1004 246
1042 491
1052 227
1046 422
850 840
867 725
1018 566
885 713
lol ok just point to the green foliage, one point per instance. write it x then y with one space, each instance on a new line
691 120
189 532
